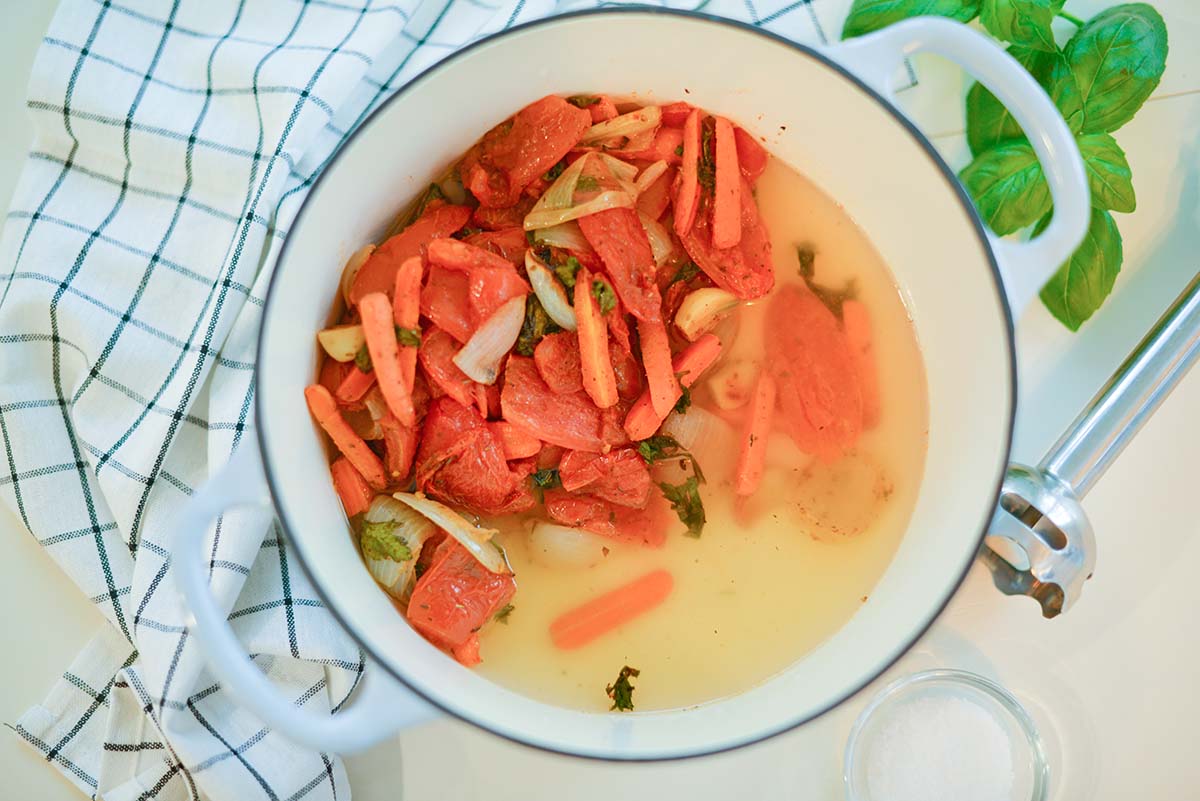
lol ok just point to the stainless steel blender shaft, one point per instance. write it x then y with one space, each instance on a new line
1040 542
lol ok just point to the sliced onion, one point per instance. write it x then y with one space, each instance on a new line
555 546
478 541
412 529
627 125
480 358
363 423
357 259
613 199
342 342
692 427
660 240
550 292
561 193
621 170
703 309
650 175
566 236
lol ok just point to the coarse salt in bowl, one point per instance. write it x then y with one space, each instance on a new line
945 735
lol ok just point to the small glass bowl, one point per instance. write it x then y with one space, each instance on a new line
1031 772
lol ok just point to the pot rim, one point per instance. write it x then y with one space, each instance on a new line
277 493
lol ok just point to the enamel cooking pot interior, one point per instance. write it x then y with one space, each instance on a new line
818 116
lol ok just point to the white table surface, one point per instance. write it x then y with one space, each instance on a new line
1113 684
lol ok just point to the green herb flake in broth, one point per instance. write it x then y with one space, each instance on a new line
587 183
686 272
546 478
379 541
567 270
621 690
685 399
409 337
606 299
583 101
502 615
686 503
362 360
553 173
537 324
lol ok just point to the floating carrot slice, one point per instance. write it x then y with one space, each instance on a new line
727 202
324 409
517 443
752 156
662 384
379 328
597 617
807 354
599 380
752 459
406 307
355 385
378 274
689 364
352 488
856 322
687 200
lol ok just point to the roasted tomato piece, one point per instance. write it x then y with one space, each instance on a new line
814 370
746 269
557 361
639 526
378 274
436 357
619 239
521 149
569 420
455 597
508 243
445 300
498 219
461 463
489 288
619 476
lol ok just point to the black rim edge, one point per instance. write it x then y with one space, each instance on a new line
938 163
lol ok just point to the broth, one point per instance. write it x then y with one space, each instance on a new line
748 600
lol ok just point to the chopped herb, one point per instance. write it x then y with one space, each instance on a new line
832 297
409 337
419 569
583 101
379 541
685 501
686 272
685 400
604 295
547 478
663 446
706 170
362 359
502 615
556 170
545 254
567 270
463 233
679 150
587 183
530 237
621 691
537 324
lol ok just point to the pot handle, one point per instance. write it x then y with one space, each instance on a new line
1025 266
381 706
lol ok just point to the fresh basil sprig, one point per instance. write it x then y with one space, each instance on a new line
1098 80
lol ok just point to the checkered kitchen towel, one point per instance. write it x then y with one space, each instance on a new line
174 144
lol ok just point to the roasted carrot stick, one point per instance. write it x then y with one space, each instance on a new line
599 380
517 443
352 488
324 409
754 436
688 198
660 374
856 323
689 364
584 623
379 329
406 308
727 200
355 385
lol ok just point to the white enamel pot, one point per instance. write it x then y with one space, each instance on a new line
829 113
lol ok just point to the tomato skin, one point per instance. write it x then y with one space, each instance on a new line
819 394
637 526
461 463
567 420
456 596
752 156
746 269
619 239
619 476
378 274
557 360
445 301
508 243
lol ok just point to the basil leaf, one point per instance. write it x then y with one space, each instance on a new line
871 15
988 121
1063 87
1024 22
1080 286
1007 184
1109 176
1118 58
